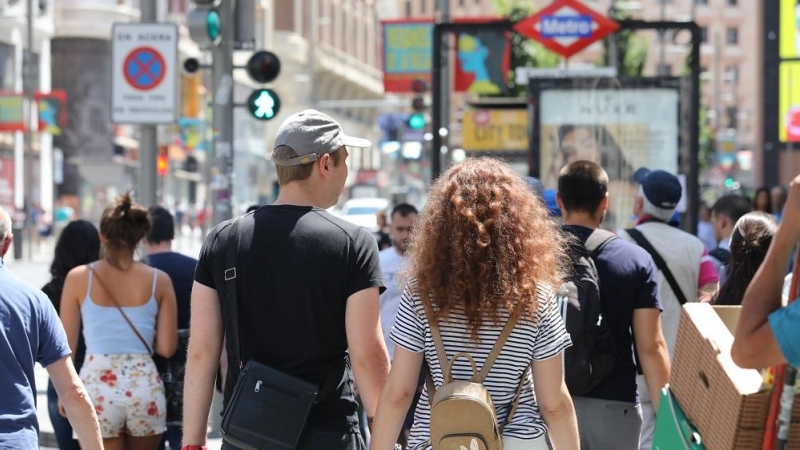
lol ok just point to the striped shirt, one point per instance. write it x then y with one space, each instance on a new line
531 340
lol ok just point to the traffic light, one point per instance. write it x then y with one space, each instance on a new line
264 104
162 163
204 23
416 120
263 67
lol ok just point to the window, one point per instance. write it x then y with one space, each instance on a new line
732 74
408 8
423 7
732 112
704 34
732 36
461 3
700 2
732 2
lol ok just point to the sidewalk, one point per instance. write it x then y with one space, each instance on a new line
36 271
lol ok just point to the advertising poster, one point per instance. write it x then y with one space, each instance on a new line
52 111
407 53
620 129
12 116
495 130
482 63
790 29
789 101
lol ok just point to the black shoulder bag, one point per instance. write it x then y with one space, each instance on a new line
268 409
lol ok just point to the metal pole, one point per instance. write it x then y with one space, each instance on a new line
693 182
444 88
30 226
222 156
148 135
436 116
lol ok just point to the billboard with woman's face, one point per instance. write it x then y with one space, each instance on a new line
620 129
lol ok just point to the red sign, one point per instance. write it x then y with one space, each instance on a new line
6 181
566 27
144 68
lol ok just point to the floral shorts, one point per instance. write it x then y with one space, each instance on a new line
127 394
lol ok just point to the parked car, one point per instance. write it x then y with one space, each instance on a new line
363 212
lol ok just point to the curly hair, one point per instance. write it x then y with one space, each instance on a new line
485 243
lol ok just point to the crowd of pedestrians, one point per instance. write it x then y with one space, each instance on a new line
485 320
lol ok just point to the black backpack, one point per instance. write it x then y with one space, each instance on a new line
590 359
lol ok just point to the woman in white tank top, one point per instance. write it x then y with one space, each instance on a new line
128 311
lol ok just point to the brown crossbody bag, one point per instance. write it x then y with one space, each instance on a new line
121 311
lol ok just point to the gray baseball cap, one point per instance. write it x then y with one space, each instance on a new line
312 134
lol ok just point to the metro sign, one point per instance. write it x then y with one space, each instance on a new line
566 27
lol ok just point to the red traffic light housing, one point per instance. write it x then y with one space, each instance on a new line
162 163
263 66
418 104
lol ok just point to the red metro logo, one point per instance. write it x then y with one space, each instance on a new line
566 27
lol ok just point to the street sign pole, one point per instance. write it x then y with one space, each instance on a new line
222 81
148 136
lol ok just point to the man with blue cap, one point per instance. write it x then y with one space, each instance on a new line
685 269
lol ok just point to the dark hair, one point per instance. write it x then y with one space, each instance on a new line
123 225
404 209
750 241
731 206
252 208
78 244
163 225
582 186
769 199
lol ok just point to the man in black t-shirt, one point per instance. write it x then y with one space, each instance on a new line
308 288
609 416
180 269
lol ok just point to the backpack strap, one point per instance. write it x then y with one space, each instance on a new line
231 251
498 346
660 263
597 240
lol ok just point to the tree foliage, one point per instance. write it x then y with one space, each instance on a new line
631 49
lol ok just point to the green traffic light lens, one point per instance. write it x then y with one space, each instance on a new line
213 25
264 104
416 122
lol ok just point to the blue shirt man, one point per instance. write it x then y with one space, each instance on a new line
31 332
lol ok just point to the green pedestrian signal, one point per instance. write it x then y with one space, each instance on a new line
264 104
416 121
213 25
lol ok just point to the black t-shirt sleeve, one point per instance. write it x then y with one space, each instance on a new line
204 272
365 265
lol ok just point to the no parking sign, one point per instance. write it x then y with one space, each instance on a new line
144 73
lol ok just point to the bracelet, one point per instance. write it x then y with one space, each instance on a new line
194 447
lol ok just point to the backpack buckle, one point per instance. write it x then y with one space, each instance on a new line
230 274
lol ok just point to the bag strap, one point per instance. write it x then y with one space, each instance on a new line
231 251
660 263
487 365
114 301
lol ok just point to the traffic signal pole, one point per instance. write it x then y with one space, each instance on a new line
221 182
148 135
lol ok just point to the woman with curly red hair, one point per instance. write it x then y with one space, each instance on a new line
483 251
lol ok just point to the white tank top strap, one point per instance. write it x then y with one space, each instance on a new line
155 279
89 285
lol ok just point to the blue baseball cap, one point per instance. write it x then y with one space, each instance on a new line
535 184
549 197
660 187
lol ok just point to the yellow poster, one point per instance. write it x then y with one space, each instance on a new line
790 29
496 130
789 101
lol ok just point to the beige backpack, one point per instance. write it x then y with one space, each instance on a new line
462 412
